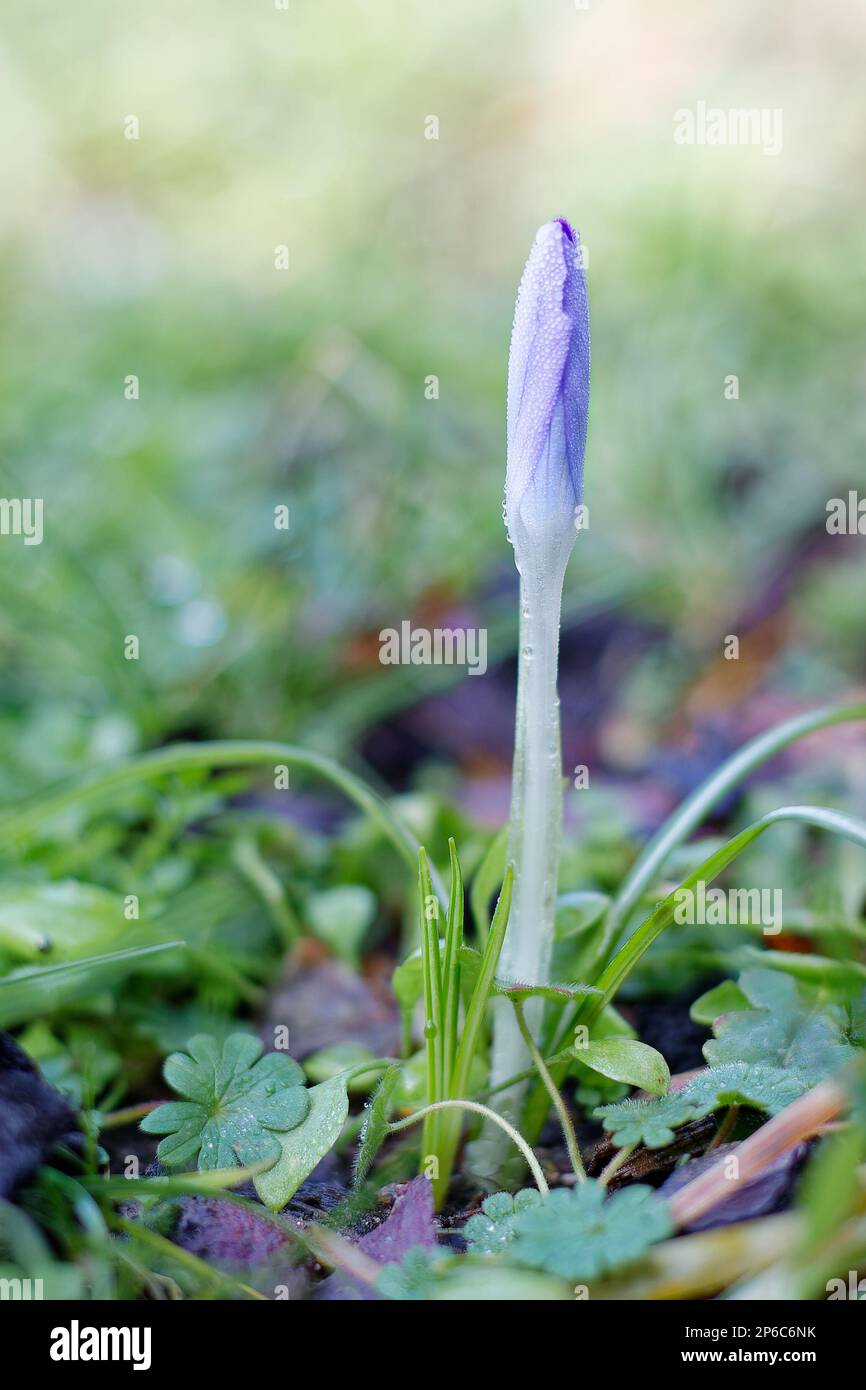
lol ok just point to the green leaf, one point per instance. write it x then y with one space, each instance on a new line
50 922
407 981
35 991
330 1061
414 1277
432 961
721 999
577 912
649 930
623 1059
689 815
764 1057
411 1092
584 1234
554 994
650 1122
611 1024
448 1133
236 1103
784 1028
491 1229
303 1147
341 917
487 879
451 969
757 1084
376 1124
483 988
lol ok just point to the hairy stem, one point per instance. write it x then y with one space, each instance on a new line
558 1103
490 1115
621 1157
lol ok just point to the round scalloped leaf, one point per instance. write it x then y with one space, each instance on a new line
491 1229
583 1233
237 1099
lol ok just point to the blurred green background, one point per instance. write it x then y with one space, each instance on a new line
305 128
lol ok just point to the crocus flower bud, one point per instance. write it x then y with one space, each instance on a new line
548 398
548 392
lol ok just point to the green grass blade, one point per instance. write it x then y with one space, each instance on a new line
630 953
697 806
18 825
661 917
489 874
433 1032
38 989
433 1014
448 1130
451 969
483 987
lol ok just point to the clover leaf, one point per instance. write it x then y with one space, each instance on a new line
759 1085
493 1227
784 1028
652 1122
583 1233
235 1101
414 1277
765 1057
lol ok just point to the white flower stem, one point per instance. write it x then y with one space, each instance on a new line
536 801
536 819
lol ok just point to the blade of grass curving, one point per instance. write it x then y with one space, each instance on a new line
433 1030
630 953
448 1124
198 1184
701 801
36 990
18 825
491 1115
483 988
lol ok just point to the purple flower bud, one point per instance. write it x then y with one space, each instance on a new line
548 388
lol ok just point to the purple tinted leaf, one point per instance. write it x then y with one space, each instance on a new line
408 1226
226 1233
